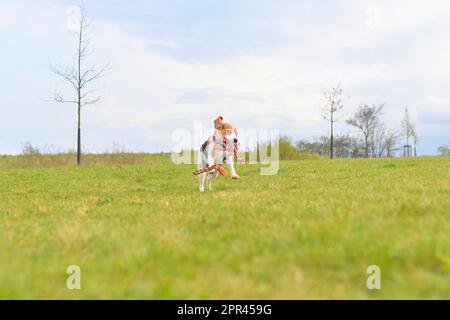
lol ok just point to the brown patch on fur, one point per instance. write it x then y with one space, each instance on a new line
224 127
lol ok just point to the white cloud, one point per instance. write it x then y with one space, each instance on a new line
151 94
6 19
434 110
408 15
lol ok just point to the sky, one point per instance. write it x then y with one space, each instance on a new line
175 64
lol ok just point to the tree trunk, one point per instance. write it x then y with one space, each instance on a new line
367 146
79 94
332 137
79 137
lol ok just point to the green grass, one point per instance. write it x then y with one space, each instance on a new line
145 232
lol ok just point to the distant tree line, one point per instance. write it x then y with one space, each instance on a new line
348 146
374 140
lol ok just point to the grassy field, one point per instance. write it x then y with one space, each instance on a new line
144 231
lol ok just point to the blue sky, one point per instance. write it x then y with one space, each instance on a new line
262 64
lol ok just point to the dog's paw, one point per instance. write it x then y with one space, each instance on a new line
236 177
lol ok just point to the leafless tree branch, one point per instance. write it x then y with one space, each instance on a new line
92 101
92 75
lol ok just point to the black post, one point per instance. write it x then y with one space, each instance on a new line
332 136
79 133
79 147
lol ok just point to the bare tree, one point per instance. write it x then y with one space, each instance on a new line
391 140
383 142
333 104
377 141
366 119
444 150
416 140
408 128
79 77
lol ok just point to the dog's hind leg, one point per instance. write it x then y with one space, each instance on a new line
201 178
211 177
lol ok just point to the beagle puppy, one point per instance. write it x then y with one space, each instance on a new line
220 148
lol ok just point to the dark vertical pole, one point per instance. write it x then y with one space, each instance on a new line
80 41
367 146
332 136
79 138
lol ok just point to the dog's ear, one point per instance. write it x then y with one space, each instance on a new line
218 122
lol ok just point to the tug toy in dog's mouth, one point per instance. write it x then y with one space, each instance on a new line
222 171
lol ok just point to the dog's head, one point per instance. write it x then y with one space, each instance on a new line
225 128
218 123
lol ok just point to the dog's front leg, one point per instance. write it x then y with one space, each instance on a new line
230 162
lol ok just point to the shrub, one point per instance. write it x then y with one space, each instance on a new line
444 150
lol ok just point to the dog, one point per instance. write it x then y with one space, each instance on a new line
222 147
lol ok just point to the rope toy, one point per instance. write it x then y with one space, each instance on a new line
217 167
229 151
